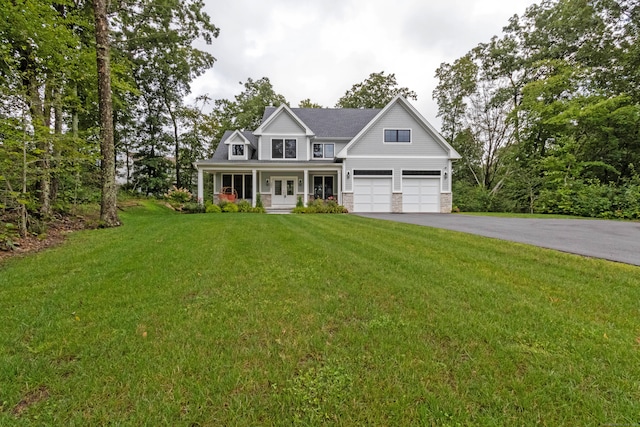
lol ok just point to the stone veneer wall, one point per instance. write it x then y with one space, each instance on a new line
266 199
347 201
446 202
396 203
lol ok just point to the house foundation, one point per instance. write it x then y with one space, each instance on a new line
396 203
347 201
446 202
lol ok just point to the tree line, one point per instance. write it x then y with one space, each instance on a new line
547 115
54 111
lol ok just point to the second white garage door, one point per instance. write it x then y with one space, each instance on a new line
421 195
372 195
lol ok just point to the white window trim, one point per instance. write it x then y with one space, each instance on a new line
384 131
284 143
324 176
236 156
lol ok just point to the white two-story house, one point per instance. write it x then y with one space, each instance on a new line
369 160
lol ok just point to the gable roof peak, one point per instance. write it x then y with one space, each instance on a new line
281 109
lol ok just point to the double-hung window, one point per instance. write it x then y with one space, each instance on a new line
237 150
397 135
323 151
284 149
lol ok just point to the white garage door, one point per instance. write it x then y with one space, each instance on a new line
372 195
420 195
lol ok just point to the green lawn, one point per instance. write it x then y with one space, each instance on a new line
245 319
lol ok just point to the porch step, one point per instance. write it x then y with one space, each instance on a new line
278 211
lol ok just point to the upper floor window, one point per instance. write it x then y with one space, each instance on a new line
397 135
283 148
323 151
237 150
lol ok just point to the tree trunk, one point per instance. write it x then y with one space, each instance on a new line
41 118
57 130
108 208
175 136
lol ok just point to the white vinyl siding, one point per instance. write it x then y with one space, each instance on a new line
397 117
284 124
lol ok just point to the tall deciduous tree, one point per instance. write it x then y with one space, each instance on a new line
376 91
247 109
108 207
157 36
307 103
563 99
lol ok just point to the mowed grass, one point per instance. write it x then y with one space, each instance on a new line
244 319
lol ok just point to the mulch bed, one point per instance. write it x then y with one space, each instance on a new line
57 230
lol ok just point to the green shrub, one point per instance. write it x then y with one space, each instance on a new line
259 202
244 206
230 208
193 207
258 209
212 208
321 206
8 235
299 203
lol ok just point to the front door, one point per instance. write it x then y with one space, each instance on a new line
284 192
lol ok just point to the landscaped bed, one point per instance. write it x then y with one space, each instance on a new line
283 319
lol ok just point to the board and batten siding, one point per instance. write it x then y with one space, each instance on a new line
397 165
422 143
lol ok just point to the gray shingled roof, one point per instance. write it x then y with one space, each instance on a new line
324 122
332 122
222 151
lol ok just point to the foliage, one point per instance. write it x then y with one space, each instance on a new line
246 111
321 206
480 331
177 197
244 206
591 199
158 38
193 207
8 235
307 103
229 207
541 122
299 202
376 91
49 122
212 207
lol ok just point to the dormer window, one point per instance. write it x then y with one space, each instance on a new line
237 150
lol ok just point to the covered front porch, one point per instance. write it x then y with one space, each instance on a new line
278 187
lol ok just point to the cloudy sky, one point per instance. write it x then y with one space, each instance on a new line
318 49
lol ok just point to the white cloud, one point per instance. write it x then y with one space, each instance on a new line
319 49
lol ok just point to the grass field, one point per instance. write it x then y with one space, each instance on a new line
244 319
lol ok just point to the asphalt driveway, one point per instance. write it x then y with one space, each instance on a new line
612 240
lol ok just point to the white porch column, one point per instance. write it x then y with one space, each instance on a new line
200 186
306 188
340 187
254 187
